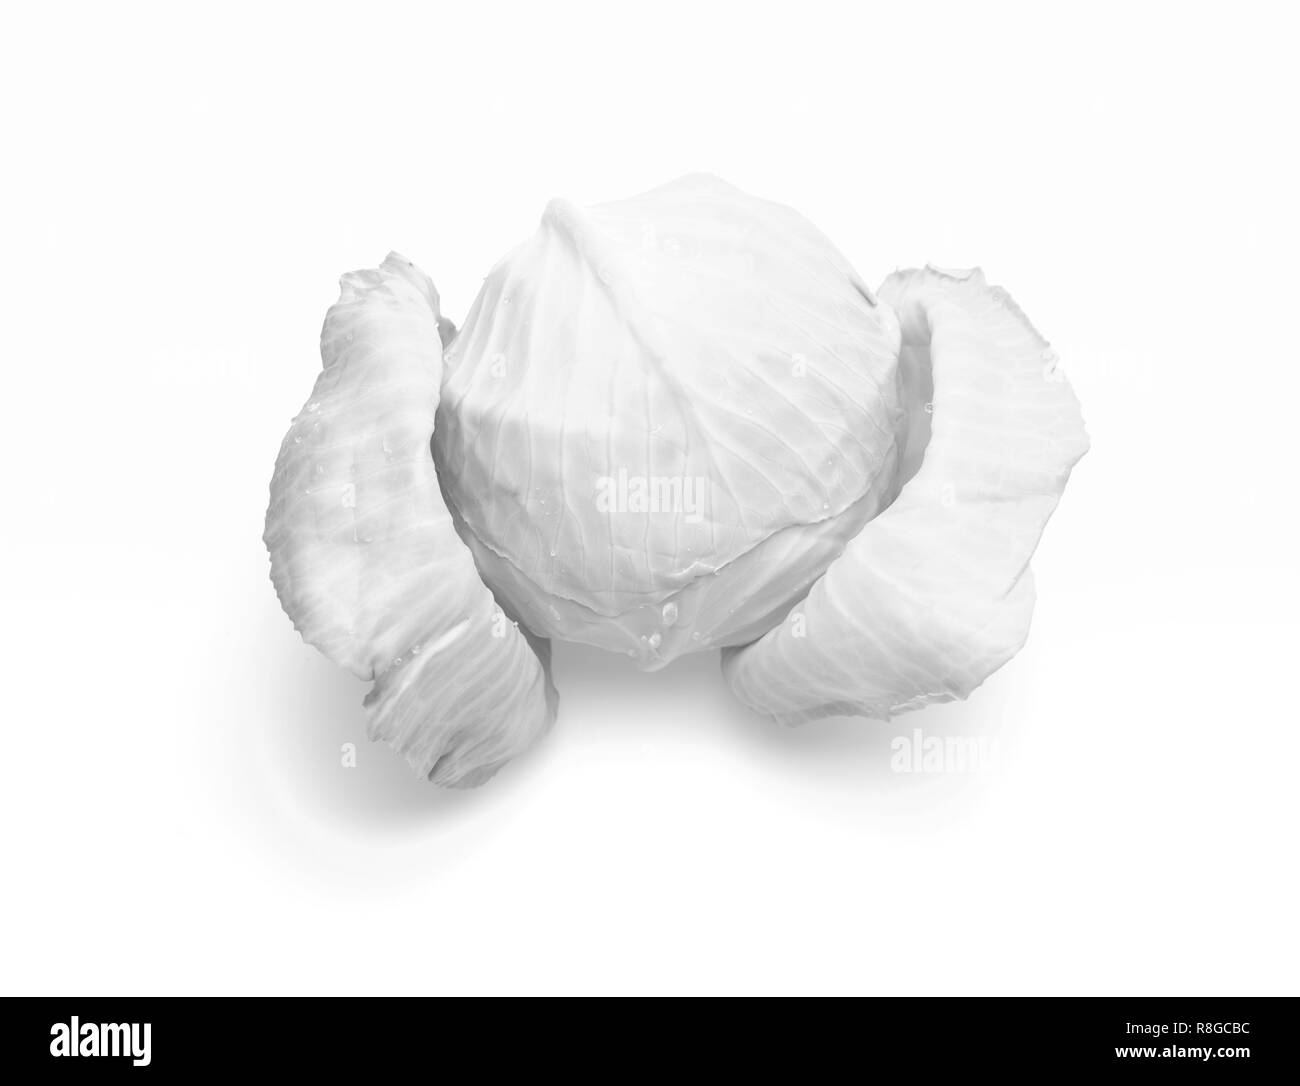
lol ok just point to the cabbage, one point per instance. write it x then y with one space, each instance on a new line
672 424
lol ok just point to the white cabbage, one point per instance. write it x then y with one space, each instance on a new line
671 424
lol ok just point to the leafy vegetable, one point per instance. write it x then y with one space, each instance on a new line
671 424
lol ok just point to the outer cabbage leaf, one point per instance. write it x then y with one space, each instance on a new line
364 556
934 594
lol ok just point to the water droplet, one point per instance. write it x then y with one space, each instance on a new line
415 650
313 407
695 636
670 613
655 640
349 499
297 439
552 552
320 469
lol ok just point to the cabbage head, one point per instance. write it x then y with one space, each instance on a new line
678 423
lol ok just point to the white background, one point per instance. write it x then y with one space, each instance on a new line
180 195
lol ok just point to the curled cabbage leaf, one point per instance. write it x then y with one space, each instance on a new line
936 593
672 424
365 559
